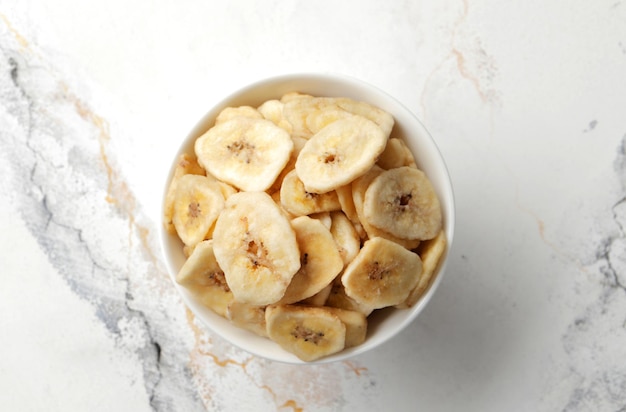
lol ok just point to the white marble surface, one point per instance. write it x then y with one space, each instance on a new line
526 99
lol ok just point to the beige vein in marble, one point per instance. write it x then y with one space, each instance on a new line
471 61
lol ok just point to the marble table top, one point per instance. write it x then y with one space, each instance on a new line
526 100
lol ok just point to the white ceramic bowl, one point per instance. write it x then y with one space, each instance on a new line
383 324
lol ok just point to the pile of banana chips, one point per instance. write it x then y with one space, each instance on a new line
301 217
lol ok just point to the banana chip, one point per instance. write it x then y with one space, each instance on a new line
430 252
309 333
359 188
203 277
382 274
299 202
273 110
339 153
256 247
320 261
396 154
345 235
249 317
356 325
320 298
185 165
245 152
241 111
339 299
198 201
402 202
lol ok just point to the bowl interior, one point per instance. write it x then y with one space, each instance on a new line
383 324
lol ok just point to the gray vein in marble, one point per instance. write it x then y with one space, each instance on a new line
599 373
615 249
64 208
612 249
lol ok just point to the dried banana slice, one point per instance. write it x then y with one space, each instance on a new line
382 274
323 217
359 187
185 165
297 201
245 152
293 96
345 235
298 144
276 198
339 153
226 189
320 261
409 159
430 252
197 203
356 325
338 299
310 333
242 111
320 298
317 120
256 247
383 119
248 317
188 250
297 110
396 154
344 194
402 202
273 110
202 276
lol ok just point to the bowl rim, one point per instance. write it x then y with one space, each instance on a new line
305 82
